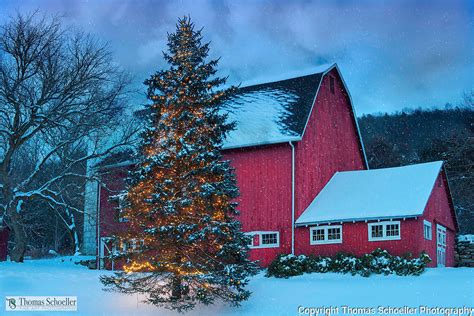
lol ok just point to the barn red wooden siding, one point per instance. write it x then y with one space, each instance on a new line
264 180
109 223
331 143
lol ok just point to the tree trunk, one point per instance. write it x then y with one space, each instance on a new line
176 292
18 252
15 224
75 237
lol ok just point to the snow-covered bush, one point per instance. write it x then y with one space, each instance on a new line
378 261
285 266
317 264
410 266
346 263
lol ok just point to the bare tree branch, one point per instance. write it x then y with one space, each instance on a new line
61 101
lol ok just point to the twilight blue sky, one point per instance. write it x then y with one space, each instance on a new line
393 54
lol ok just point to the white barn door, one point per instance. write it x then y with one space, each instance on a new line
441 245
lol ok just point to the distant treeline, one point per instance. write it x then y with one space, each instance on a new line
425 135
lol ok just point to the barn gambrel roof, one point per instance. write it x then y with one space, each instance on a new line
275 112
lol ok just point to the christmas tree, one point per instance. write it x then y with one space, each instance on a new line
180 201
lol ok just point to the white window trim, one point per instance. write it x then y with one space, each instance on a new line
384 231
427 224
260 233
325 241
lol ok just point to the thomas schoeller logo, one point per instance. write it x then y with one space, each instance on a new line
41 303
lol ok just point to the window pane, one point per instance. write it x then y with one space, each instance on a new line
334 233
427 230
269 239
393 230
318 234
377 231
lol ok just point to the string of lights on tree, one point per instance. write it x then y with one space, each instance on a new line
180 200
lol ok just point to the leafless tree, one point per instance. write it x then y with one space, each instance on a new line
59 90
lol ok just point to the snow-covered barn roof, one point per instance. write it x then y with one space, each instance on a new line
273 112
373 194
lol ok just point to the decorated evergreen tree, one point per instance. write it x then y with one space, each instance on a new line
180 198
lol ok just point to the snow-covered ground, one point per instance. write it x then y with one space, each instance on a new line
447 287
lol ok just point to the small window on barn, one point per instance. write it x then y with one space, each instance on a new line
334 233
270 239
427 230
264 239
384 231
377 231
393 230
320 235
331 84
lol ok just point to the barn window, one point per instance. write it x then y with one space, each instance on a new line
377 231
269 239
427 230
325 235
331 84
318 234
334 233
384 231
264 239
393 230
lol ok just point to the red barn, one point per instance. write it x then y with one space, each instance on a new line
293 136
403 210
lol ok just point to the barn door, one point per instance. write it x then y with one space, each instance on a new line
107 248
441 245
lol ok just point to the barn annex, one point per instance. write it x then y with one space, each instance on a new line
304 183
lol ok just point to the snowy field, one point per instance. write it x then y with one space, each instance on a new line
448 287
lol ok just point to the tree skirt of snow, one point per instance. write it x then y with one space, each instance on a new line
442 287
